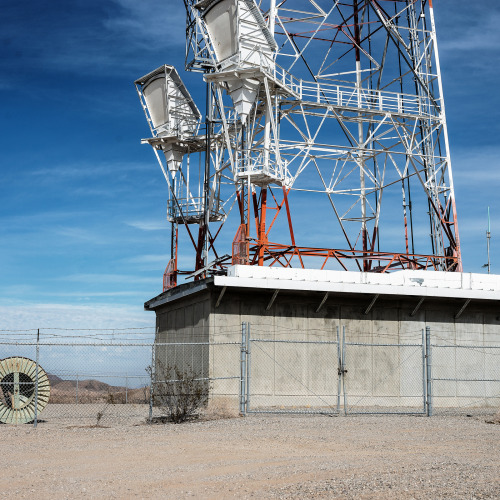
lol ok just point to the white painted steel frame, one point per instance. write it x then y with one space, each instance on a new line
361 134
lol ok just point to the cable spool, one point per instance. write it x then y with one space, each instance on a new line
18 390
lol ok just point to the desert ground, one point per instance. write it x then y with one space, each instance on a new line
258 456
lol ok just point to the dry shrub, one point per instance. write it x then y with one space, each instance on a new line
180 394
495 419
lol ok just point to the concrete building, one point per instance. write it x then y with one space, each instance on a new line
383 316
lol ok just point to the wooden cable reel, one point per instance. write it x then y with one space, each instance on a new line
18 389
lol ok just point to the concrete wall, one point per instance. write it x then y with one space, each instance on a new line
377 375
184 322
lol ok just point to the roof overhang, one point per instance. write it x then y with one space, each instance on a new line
413 283
407 283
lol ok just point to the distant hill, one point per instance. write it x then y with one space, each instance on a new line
54 379
93 391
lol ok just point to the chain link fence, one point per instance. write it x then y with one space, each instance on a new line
92 383
465 377
214 364
414 376
384 378
96 383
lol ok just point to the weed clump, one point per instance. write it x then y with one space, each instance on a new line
180 393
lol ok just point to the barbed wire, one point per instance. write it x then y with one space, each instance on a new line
79 329
257 329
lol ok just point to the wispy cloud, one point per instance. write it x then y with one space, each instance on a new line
87 296
148 259
481 33
102 278
80 234
477 166
150 21
18 290
148 225
78 170
475 226
96 38
47 217
56 315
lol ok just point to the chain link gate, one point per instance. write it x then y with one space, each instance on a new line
385 378
289 376
310 376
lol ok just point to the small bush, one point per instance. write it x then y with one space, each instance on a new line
180 394
110 400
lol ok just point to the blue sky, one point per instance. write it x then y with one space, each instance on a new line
84 239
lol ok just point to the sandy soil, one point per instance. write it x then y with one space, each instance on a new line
256 457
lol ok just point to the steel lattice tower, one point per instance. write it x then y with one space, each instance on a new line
324 142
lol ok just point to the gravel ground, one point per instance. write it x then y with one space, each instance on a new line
260 456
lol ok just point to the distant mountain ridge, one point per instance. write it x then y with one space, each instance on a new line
93 391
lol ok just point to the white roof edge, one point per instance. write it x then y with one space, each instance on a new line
411 283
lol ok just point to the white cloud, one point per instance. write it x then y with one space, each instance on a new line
100 278
44 218
148 259
105 39
85 296
150 21
83 169
19 289
477 165
78 234
92 324
148 225
474 227
26 316
479 34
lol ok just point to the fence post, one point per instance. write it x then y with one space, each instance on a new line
344 370
151 381
424 371
428 358
339 364
126 388
35 420
77 388
243 368
249 360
